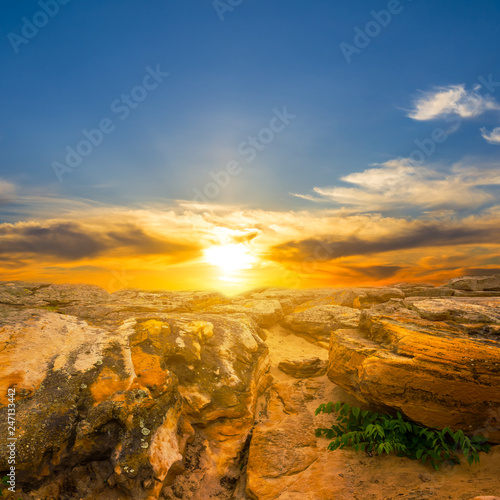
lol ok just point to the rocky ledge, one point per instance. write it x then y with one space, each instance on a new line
154 394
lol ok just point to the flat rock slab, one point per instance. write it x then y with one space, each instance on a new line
264 312
318 322
304 368
460 310
476 283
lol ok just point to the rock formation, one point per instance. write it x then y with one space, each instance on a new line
435 360
193 395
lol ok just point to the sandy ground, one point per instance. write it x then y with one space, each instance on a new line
384 477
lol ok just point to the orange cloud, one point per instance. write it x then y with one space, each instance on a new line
163 247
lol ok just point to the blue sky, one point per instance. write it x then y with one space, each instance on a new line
226 80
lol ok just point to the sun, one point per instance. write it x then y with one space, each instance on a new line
229 258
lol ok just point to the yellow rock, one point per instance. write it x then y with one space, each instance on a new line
431 371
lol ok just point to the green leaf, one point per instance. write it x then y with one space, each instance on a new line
368 431
319 409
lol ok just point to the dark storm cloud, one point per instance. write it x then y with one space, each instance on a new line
428 235
73 241
479 271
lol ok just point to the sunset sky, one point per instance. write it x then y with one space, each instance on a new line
233 144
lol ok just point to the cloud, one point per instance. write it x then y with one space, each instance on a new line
398 184
481 271
7 191
492 137
417 235
71 241
453 99
377 272
161 246
246 236
307 197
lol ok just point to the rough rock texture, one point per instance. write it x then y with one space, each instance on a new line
304 368
285 462
318 322
264 312
193 395
436 360
476 283
114 410
348 297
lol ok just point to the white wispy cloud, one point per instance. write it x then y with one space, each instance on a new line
398 184
492 137
307 197
454 99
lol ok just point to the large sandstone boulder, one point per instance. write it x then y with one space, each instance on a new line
49 296
435 360
290 299
123 410
317 322
476 283
464 311
419 291
373 296
346 297
264 312
286 460
304 368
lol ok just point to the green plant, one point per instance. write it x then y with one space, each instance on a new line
379 433
4 481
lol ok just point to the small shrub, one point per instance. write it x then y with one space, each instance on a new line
379 433
4 481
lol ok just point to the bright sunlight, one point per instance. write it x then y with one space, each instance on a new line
229 258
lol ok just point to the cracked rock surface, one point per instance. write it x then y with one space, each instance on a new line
194 395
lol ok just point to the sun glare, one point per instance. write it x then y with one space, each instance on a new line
229 258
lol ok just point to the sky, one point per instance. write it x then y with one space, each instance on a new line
233 144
